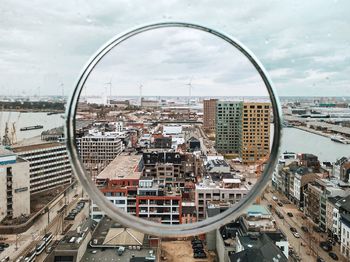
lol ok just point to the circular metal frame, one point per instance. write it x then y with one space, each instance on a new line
143 225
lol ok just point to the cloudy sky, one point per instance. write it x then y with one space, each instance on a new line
304 45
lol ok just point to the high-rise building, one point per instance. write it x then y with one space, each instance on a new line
209 114
256 132
14 185
228 124
49 165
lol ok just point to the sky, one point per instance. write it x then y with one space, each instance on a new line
304 45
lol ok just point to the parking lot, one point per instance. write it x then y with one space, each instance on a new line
170 251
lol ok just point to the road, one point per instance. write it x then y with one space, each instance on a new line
307 246
22 243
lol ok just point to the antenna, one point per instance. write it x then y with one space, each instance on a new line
189 84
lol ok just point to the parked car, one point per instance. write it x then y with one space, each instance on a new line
333 255
280 215
274 198
296 235
290 214
280 204
317 229
326 246
197 246
305 229
293 229
4 245
320 259
200 255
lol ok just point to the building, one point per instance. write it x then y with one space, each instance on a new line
313 201
256 132
261 246
73 244
119 182
97 150
228 190
235 242
332 216
49 165
14 185
158 203
228 127
345 171
345 236
209 114
149 103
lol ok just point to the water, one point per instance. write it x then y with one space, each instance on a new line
299 141
29 119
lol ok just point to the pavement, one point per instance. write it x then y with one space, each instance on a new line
307 246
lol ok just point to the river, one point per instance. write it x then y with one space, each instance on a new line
299 141
29 119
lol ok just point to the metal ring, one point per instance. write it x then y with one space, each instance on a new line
143 225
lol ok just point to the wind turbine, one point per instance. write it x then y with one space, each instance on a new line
189 84
140 89
110 90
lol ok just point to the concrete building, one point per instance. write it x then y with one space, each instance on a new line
228 190
98 149
345 236
228 127
49 165
209 114
14 185
256 132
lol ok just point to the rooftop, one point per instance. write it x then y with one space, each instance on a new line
122 167
37 145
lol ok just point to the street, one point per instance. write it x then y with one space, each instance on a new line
307 246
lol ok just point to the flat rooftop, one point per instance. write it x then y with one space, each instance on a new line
34 143
122 167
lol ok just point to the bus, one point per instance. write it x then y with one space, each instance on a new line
30 257
40 247
45 241
48 238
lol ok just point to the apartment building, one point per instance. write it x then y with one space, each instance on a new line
345 236
256 132
313 200
14 185
209 114
228 127
119 182
228 190
49 164
156 202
